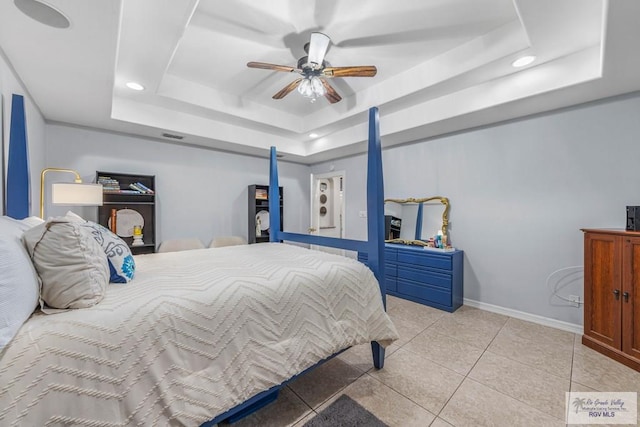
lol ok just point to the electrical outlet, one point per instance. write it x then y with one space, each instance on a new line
362 214
576 300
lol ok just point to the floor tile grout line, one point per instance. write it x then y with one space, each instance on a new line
517 400
471 369
340 390
299 397
401 394
524 363
517 361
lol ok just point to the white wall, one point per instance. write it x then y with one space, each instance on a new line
200 193
520 192
10 84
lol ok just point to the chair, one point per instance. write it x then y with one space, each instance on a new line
175 245
218 242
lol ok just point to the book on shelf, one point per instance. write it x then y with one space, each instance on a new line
108 184
122 191
134 187
140 188
144 187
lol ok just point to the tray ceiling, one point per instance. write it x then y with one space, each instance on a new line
443 66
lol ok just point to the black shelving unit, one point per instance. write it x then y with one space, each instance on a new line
144 204
258 205
392 227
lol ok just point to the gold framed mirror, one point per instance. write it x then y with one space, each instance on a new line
412 221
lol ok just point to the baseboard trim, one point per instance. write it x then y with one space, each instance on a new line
534 318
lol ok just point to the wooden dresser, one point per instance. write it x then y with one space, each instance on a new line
424 276
612 294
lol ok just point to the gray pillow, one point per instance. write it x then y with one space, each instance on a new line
72 266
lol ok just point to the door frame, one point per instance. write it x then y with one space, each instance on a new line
312 183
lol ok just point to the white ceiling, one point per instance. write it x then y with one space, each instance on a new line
443 66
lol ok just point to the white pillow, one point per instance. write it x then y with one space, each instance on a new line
72 266
121 264
32 221
19 286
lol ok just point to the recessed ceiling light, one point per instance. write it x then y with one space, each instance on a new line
135 86
43 13
525 60
313 135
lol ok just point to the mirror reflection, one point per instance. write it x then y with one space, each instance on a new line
417 221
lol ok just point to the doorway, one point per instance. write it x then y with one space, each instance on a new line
327 208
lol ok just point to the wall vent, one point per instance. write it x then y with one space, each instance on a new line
172 136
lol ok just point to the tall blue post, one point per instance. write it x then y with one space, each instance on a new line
18 162
375 217
274 198
419 215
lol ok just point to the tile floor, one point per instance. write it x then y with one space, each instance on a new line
468 368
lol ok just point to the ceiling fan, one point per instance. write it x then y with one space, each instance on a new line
314 71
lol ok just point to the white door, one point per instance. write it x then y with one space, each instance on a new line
327 207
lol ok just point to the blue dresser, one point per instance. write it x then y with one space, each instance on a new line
429 277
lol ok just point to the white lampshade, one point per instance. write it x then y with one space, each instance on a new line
73 194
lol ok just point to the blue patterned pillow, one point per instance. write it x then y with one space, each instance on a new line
121 263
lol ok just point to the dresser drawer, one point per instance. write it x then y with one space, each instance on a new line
390 254
434 260
391 283
390 269
426 276
424 292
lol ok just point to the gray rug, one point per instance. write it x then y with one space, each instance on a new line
345 412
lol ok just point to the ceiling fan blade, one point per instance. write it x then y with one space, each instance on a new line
274 67
331 94
358 71
287 89
318 46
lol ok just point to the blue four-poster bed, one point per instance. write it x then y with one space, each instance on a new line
197 337
373 246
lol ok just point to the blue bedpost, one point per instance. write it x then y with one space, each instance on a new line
17 191
419 222
274 201
375 218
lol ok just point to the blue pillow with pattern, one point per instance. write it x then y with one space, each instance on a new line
121 263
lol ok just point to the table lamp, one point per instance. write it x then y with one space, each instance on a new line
70 194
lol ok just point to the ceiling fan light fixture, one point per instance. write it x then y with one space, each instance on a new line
317 87
304 88
311 87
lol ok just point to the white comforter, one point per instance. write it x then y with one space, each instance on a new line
193 335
